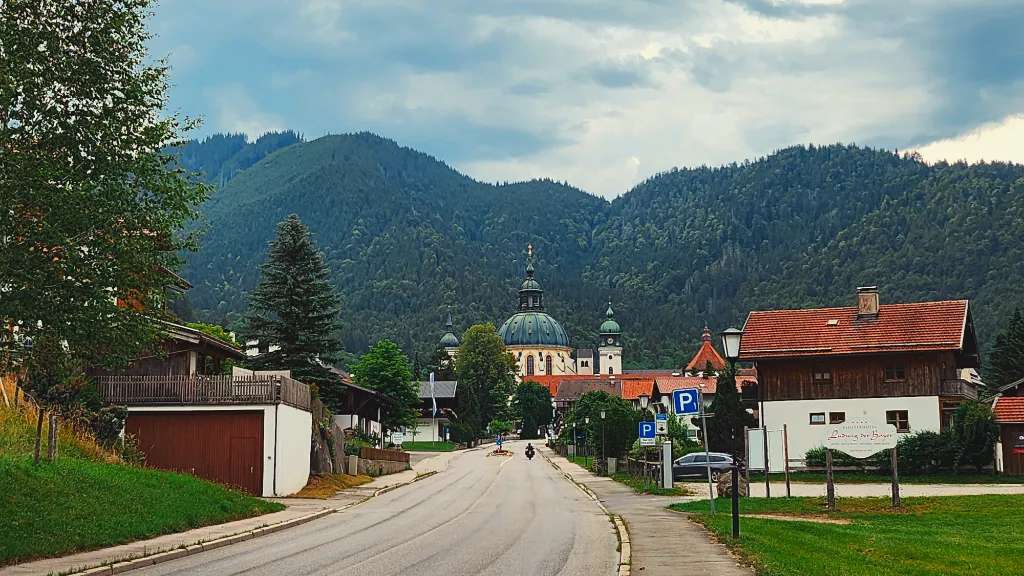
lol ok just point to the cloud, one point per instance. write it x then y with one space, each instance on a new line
998 141
601 93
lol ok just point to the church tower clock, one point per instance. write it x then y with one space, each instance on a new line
610 347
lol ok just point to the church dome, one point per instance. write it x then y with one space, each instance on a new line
449 340
610 326
533 328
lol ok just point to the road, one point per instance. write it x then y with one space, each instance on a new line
483 515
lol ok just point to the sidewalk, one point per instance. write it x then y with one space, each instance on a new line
298 511
663 542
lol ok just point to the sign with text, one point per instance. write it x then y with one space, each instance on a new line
860 437
397 438
647 432
661 421
686 401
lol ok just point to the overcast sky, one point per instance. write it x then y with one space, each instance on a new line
603 94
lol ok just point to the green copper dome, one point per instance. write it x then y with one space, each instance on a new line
449 339
533 328
610 326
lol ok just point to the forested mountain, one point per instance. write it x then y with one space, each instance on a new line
218 158
405 236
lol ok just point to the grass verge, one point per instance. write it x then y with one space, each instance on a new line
950 535
432 446
646 486
849 477
73 505
328 485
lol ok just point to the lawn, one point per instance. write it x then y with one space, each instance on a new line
432 446
584 461
849 477
642 485
961 535
87 499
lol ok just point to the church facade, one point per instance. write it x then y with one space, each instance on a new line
541 345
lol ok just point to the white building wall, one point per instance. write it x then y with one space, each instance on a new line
562 361
294 443
611 357
923 413
425 431
291 465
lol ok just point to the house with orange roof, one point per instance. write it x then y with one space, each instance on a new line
706 355
1008 408
896 363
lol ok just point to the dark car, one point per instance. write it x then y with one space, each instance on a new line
696 465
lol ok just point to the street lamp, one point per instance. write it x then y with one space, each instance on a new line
731 343
604 456
644 401
586 420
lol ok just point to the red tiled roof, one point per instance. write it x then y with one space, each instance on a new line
667 385
838 331
632 384
633 388
705 354
1009 409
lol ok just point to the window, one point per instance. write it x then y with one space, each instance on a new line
817 418
529 365
611 370
895 373
699 459
584 363
822 376
836 417
547 365
899 419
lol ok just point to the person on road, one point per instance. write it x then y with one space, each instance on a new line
529 451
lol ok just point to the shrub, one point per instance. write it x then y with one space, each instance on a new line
975 430
923 453
815 458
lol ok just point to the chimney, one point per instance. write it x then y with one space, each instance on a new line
867 302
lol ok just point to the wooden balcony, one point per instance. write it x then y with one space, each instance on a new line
203 390
961 388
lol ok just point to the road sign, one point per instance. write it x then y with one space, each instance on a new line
686 401
647 433
397 438
661 421
860 437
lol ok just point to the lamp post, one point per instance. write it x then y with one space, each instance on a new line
604 456
554 415
586 420
731 344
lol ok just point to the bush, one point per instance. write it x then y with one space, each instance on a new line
815 458
920 453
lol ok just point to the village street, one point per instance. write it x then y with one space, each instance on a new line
483 515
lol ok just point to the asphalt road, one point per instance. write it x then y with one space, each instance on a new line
483 515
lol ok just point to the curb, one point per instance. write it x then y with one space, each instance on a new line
168 555
621 530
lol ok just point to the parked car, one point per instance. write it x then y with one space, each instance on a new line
695 465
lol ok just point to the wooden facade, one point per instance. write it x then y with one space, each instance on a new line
924 374
1012 437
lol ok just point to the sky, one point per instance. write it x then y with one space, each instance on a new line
603 94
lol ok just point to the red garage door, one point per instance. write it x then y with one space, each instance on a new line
222 446
1013 448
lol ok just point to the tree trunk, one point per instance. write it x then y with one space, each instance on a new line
51 446
39 434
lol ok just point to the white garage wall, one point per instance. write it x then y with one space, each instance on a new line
922 411
294 442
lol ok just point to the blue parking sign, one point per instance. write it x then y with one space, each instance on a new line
686 401
647 429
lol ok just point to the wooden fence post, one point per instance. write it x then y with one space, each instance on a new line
895 480
830 487
785 452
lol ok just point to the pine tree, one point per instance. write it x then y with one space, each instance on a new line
295 307
1006 362
725 428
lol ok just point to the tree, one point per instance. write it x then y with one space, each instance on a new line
975 430
618 426
443 365
531 405
725 427
385 368
1006 362
295 307
486 373
91 204
54 384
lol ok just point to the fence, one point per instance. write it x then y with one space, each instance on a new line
185 390
381 454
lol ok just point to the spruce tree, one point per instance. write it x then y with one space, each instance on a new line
295 307
725 427
1006 362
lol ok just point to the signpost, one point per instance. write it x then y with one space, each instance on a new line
687 402
661 420
647 433
397 438
860 438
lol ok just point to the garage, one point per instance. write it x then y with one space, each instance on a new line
1009 414
224 446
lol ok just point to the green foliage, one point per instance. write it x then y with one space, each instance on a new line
726 427
220 157
385 368
216 331
92 210
975 430
295 307
801 227
617 429
531 405
1006 362
502 427
486 374
110 504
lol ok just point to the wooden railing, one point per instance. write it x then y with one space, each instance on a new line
959 388
182 390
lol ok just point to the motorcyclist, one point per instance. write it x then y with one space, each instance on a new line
529 451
